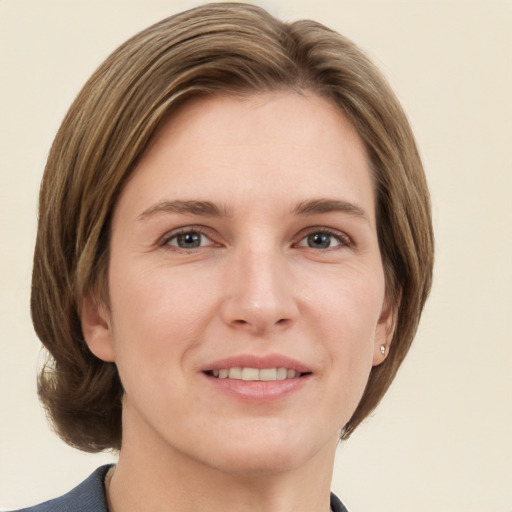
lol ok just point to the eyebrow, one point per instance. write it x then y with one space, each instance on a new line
203 208
209 209
316 206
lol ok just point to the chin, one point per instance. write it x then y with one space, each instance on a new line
258 462
269 453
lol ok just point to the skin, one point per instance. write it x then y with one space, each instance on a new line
257 284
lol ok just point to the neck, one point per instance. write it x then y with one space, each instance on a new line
153 476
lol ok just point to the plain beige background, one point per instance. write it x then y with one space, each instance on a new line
442 438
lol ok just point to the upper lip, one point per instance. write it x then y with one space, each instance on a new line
256 361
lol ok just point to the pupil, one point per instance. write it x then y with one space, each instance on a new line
319 240
189 240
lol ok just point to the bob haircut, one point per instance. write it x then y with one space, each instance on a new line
216 49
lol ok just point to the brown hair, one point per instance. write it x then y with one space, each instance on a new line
226 48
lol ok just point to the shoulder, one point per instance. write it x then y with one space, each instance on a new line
336 505
89 495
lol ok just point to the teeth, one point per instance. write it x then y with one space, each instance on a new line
268 374
250 374
255 374
281 373
235 373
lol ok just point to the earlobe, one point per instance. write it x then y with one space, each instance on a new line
384 332
96 328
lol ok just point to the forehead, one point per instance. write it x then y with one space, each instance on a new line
263 147
282 117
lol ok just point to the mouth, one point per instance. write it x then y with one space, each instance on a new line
256 374
258 378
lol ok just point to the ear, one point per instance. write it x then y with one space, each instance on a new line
97 329
385 330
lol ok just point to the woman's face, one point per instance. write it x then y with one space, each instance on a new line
245 245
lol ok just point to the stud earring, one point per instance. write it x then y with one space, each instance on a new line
382 349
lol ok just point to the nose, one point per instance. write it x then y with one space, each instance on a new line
259 295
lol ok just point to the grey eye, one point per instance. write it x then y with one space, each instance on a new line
189 240
320 240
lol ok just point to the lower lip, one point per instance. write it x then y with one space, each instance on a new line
259 391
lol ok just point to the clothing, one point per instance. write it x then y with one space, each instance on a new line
89 496
336 505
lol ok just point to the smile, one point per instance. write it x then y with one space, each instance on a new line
258 378
255 374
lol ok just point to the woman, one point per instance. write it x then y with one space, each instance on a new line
233 253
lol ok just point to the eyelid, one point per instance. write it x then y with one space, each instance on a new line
343 238
164 240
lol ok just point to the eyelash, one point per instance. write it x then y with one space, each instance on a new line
184 231
343 239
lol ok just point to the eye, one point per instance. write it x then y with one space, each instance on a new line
191 239
323 240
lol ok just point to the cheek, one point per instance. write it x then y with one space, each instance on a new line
164 300
154 327
348 302
346 313
158 317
